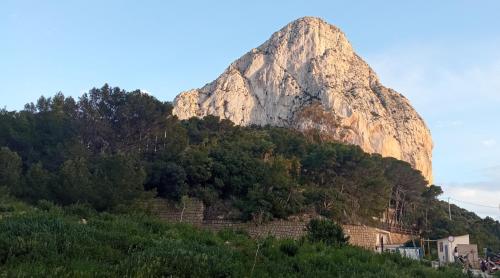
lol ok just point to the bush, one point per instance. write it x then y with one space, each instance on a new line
47 243
6 208
326 231
46 205
289 247
81 210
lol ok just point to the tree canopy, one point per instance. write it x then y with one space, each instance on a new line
111 147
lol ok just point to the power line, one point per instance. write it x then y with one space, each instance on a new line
473 204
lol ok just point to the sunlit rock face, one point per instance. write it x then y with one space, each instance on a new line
308 77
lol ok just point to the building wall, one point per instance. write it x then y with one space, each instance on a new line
369 237
469 250
192 211
451 247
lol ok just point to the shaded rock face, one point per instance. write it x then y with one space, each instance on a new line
307 76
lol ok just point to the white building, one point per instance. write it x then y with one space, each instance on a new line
446 247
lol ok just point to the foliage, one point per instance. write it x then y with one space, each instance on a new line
54 242
483 232
74 152
327 232
10 168
290 247
111 148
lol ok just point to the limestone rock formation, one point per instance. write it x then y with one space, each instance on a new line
308 77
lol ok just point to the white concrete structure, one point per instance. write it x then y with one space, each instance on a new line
446 247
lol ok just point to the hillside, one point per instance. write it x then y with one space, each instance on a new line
51 241
112 148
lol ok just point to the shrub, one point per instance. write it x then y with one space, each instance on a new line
80 209
326 231
47 243
46 205
6 208
289 247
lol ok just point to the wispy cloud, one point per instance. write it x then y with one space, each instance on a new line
457 91
481 198
433 73
489 142
493 173
144 91
449 124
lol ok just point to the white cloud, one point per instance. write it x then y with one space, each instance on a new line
466 193
449 124
144 91
435 77
482 199
489 142
493 173
456 88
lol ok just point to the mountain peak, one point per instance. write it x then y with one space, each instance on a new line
309 34
309 21
307 76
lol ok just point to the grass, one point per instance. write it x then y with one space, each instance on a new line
50 241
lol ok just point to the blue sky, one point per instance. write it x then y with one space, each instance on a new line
443 55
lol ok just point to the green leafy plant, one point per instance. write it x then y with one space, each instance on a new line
327 232
56 243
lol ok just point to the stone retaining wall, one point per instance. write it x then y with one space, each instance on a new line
188 210
277 228
191 211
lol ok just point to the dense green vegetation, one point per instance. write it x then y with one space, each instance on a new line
111 148
327 232
485 232
50 241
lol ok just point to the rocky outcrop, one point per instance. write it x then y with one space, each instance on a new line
308 77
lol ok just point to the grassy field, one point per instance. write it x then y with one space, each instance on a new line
49 241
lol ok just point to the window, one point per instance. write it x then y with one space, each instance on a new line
440 247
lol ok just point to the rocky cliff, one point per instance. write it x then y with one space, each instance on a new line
307 76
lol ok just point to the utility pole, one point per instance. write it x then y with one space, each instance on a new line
449 208
499 210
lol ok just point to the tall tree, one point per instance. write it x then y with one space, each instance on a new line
10 168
